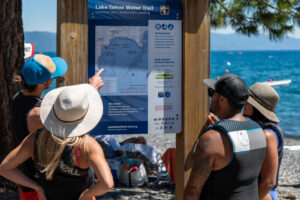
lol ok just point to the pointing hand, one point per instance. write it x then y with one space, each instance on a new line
96 80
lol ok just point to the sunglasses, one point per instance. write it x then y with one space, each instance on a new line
210 92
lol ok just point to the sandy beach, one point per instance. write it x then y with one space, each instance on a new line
289 180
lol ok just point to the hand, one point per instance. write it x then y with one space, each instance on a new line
96 80
212 119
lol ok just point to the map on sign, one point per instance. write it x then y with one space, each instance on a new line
123 53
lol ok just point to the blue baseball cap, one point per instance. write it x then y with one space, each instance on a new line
41 68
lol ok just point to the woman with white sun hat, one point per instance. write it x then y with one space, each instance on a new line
63 152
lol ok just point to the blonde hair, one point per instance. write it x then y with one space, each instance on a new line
50 148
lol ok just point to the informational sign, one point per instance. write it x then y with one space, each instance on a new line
28 50
138 43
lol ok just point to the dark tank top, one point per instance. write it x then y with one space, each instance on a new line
20 105
280 140
68 180
238 180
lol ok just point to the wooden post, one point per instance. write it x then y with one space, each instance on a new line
196 65
72 39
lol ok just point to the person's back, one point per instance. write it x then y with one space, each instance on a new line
276 130
260 107
37 74
63 151
238 179
71 177
228 155
20 105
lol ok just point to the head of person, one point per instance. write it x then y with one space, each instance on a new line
68 114
41 70
228 95
261 103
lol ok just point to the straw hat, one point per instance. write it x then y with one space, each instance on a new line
264 98
72 110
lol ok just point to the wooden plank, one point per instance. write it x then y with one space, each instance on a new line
72 39
196 67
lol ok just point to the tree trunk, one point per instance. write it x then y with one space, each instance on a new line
11 61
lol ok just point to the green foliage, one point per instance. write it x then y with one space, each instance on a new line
251 17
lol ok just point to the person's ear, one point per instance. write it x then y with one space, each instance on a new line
248 109
45 85
223 99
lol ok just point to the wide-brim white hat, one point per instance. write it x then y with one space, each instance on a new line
72 110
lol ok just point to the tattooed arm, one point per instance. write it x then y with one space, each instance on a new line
211 119
203 165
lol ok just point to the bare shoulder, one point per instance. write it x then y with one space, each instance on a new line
34 112
270 137
209 142
93 145
33 120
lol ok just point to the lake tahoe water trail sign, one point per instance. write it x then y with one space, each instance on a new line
138 43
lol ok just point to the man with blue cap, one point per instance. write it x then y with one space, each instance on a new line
37 73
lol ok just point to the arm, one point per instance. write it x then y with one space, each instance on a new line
33 120
211 119
9 170
202 167
96 80
98 163
269 168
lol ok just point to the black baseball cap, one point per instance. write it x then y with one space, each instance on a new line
230 86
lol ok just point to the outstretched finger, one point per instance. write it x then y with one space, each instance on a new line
100 72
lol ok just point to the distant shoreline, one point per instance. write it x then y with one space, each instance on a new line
267 50
293 137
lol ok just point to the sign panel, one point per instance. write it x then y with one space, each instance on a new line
28 50
138 43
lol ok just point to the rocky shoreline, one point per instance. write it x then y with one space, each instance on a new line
289 177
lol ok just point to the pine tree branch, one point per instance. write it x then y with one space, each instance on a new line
280 10
228 11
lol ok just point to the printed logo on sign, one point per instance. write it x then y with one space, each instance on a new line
167 94
164 107
164 76
164 26
157 26
170 26
160 94
28 50
164 10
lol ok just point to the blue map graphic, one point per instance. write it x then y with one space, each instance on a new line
124 60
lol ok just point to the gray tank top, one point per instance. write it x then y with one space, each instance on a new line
238 180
